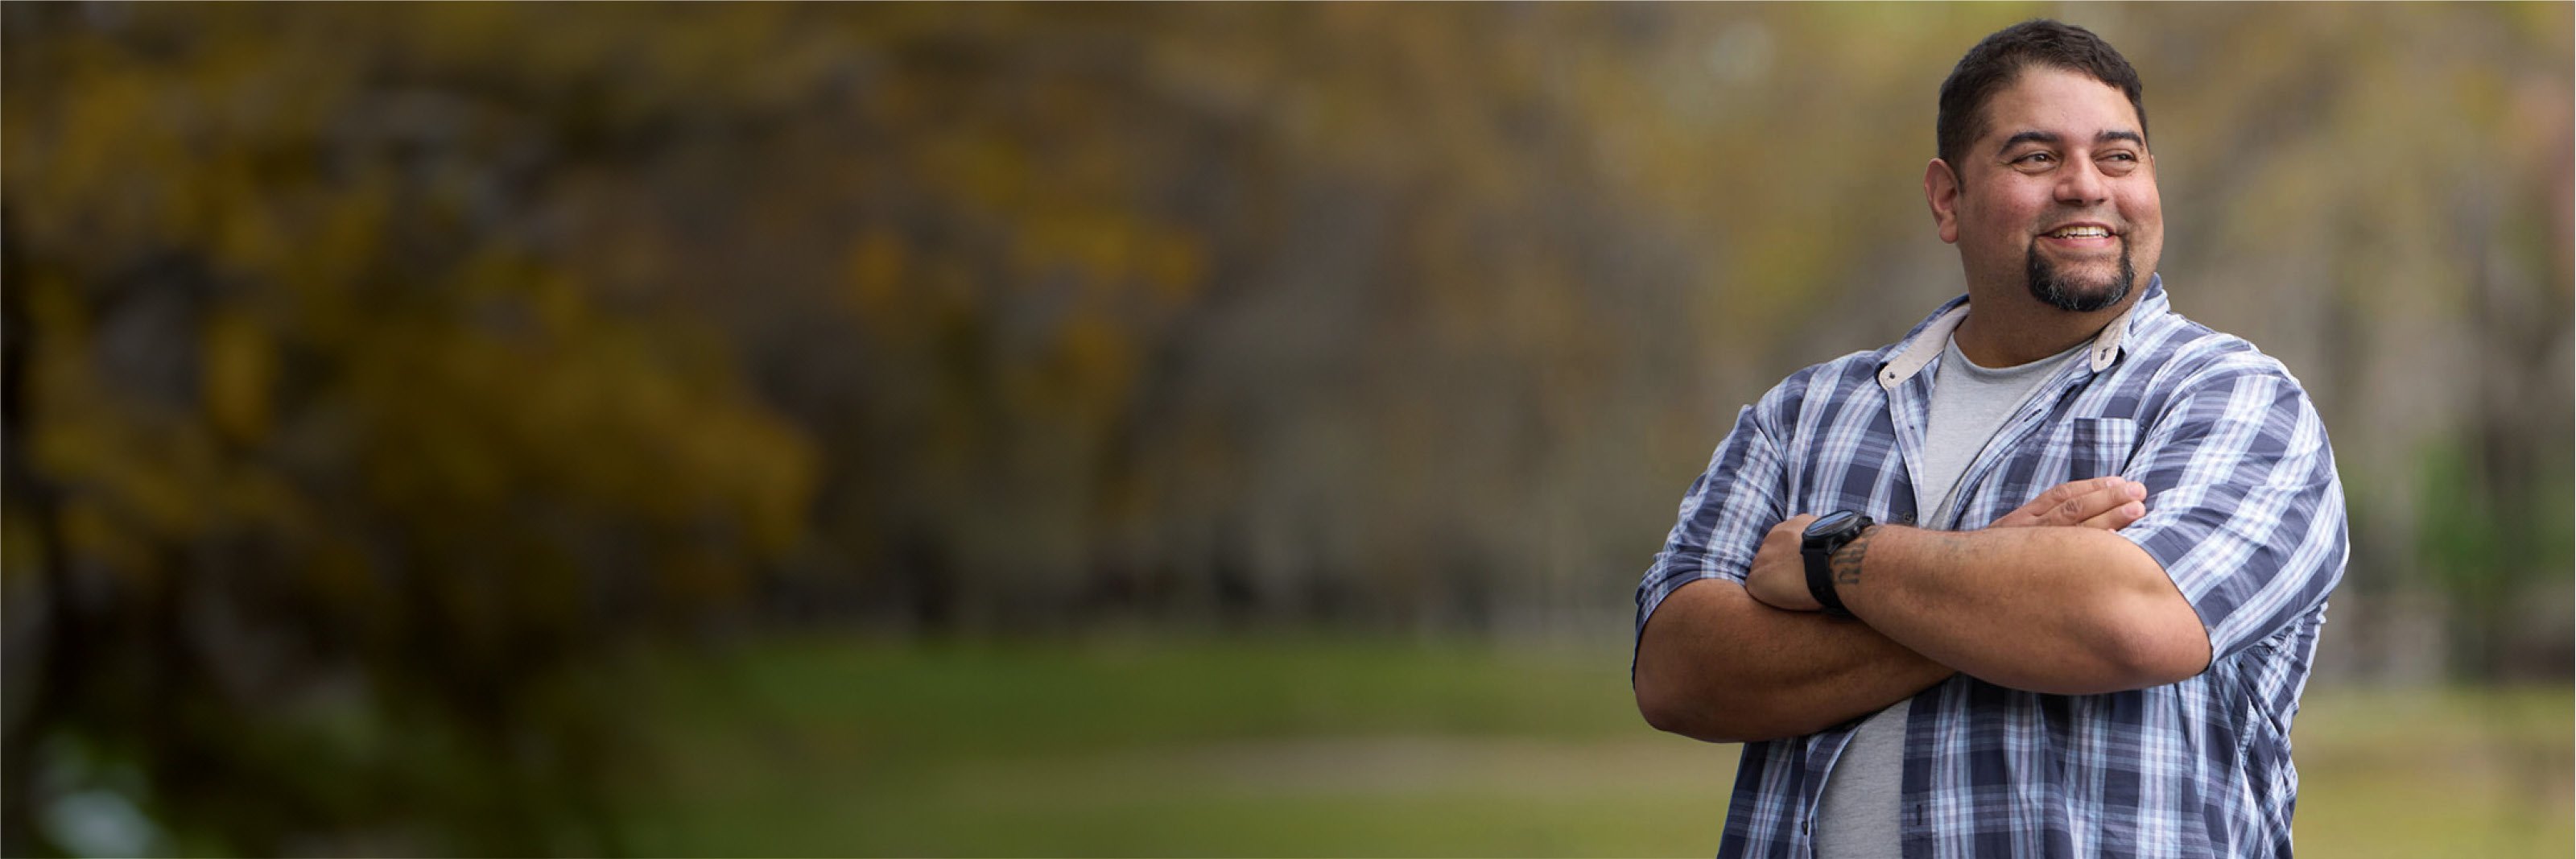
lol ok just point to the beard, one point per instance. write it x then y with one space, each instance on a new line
2054 289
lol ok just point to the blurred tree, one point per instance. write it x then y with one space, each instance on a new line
331 492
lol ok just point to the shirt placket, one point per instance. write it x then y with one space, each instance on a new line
2011 438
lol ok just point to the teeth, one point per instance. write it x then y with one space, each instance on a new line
2081 232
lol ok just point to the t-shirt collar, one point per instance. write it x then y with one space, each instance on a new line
1926 340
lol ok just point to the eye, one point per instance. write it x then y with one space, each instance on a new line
2035 158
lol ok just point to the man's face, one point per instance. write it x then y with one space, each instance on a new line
2057 198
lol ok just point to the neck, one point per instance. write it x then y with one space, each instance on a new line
2015 330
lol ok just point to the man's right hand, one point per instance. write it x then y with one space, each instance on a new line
2108 503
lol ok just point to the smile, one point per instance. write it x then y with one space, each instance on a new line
2080 232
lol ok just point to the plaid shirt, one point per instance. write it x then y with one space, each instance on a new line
2244 511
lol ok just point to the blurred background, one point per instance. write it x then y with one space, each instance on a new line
1159 429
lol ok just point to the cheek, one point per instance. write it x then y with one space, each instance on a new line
2004 231
2007 223
2146 207
2149 225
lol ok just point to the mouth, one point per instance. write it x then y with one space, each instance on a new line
2081 237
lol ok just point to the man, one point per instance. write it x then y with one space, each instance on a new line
2073 552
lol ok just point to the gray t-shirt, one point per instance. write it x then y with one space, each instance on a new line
1857 816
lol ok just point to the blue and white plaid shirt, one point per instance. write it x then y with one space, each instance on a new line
2244 510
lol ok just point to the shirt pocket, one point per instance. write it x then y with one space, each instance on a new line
2098 447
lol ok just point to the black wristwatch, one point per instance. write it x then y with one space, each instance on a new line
1823 536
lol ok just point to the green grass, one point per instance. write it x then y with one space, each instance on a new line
1277 746
2406 773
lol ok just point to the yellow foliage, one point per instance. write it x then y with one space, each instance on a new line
1095 363
240 370
1175 266
94 534
876 269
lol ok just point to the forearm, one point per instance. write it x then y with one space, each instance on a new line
2065 610
1716 665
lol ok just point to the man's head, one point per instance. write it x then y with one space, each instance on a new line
1994 63
2044 178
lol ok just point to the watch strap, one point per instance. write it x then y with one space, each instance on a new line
1818 551
1820 577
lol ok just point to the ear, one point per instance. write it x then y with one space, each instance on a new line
1941 191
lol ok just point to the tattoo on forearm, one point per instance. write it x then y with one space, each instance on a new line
1846 563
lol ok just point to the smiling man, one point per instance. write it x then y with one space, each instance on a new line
2041 579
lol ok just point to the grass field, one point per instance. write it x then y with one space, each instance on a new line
1326 747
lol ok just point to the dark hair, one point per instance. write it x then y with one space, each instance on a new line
1995 62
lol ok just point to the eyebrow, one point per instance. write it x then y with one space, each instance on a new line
2051 138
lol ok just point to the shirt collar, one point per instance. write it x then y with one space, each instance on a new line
1929 336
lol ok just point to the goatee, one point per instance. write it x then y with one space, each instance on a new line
2053 289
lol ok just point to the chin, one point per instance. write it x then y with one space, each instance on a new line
2101 296
2084 290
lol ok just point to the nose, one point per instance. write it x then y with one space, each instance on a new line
2082 184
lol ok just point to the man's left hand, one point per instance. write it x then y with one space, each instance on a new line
1779 574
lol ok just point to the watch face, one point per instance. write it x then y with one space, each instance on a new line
1832 522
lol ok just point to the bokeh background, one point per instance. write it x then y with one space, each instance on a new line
1157 429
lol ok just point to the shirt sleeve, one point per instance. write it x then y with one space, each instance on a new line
1723 518
2244 508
